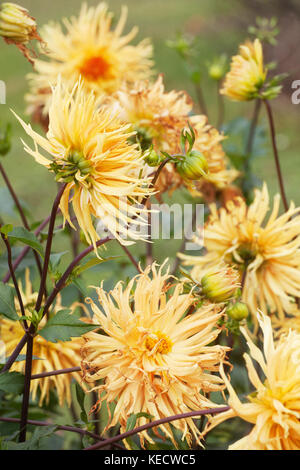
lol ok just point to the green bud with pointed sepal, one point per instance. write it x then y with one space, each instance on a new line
193 166
237 311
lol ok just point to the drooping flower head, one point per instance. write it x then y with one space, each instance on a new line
247 73
266 251
89 48
153 356
90 152
274 406
17 27
51 356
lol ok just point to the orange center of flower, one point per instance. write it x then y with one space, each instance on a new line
94 68
158 342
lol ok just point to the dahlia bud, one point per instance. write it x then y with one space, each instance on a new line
5 142
217 68
193 166
18 27
152 158
220 284
15 23
238 311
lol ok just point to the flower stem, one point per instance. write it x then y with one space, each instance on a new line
26 392
56 372
159 422
15 354
200 98
20 210
48 246
62 281
58 287
276 156
12 272
24 252
132 259
59 427
221 107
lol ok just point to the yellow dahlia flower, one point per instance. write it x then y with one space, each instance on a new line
247 73
52 356
152 355
159 117
90 48
274 407
267 250
90 152
17 26
156 115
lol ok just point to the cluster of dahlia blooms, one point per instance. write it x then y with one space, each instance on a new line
155 353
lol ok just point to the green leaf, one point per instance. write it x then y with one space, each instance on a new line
28 238
90 264
80 395
63 327
131 422
7 302
34 442
55 259
12 382
5 229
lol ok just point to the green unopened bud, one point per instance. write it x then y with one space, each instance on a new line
220 284
217 69
238 311
192 166
15 24
152 158
215 72
5 139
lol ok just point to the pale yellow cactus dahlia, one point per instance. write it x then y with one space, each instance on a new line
152 354
89 151
265 249
89 47
274 406
247 73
